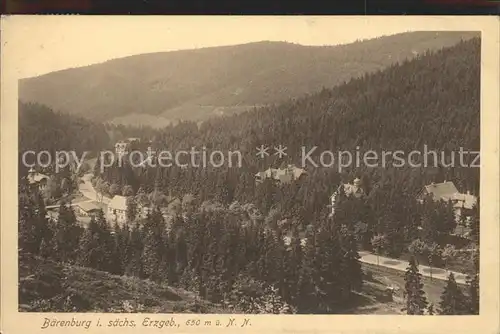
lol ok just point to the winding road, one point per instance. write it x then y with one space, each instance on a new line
438 273
88 190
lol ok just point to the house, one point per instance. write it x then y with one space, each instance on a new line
281 175
37 180
133 140
117 209
87 209
143 210
446 191
287 239
351 190
122 148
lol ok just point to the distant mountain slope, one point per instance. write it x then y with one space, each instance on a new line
195 84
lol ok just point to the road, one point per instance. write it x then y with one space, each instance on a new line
400 265
88 190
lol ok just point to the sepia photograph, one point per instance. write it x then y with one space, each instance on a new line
220 166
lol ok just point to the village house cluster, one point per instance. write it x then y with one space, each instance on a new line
115 209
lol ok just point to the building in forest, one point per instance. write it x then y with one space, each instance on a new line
354 189
285 175
117 209
122 148
87 209
37 180
446 191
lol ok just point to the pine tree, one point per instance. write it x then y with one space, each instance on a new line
429 231
154 247
31 223
134 267
106 244
416 301
332 289
89 248
351 267
473 294
308 276
119 248
475 223
379 243
453 301
67 234
131 210
292 267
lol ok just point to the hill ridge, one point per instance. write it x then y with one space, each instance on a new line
181 84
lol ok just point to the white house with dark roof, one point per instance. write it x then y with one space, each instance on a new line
117 209
446 191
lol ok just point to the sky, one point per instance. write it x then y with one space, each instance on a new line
50 43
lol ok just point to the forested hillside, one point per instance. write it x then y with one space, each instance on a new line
199 84
222 235
433 101
40 128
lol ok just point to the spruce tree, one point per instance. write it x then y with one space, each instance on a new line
430 309
332 287
67 234
29 231
350 265
89 249
292 268
453 301
473 294
106 243
132 210
416 301
134 267
154 247
308 276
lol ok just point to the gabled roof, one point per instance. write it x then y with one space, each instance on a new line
349 189
466 201
37 177
118 203
445 190
282 174
89 206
